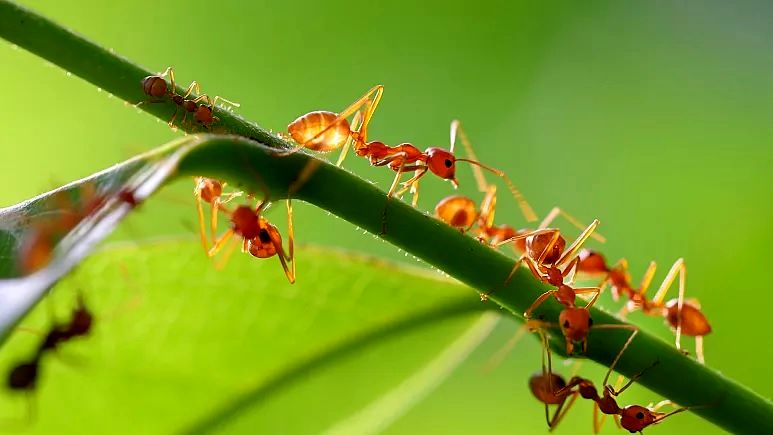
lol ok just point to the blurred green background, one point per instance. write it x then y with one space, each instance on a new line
653 117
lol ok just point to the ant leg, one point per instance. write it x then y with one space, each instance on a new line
560 413
572 250
634 330
557 211
598 422
202 228
214 207
488 207
218 98
193 86
571 268
699 349
585 290
284 258
353 127
415 187
224 259
539 301
220 242
171 121
457 130
646 279
677 268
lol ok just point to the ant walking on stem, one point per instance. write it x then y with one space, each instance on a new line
684 316
326 131
551 389
155 86
259 237
545 251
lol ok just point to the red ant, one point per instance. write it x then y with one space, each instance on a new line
155 86
551 389
23 376
37 244
460 212
545 255
259 237
545 251
325 131
683 316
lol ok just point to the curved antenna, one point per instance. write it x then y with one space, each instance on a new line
526 209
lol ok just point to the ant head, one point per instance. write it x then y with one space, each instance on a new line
244 222
81 321
442 163
575 323
264 245
635 418
203 115
154 86
591 261
537 244
540 385
457 211
23 376
208 189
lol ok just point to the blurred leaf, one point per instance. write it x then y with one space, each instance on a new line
45 237
179 345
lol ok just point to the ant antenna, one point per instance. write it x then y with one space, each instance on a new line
526 209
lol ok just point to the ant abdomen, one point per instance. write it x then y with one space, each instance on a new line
537 245
316 131
540 385
694 322
457 211
154 86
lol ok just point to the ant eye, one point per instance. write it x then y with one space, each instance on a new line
590 322
264 236
640 415
566 323
448 163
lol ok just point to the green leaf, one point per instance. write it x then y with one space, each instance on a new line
180 346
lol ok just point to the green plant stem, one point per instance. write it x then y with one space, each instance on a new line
677 377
